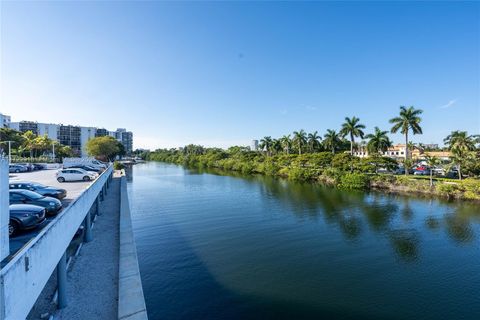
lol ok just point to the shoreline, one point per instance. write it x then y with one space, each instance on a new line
460 190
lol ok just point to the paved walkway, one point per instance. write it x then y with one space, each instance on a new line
92 276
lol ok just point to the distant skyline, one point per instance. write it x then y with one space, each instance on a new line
224 73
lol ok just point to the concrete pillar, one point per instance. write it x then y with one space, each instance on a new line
4 211
62 281
88 227
97 205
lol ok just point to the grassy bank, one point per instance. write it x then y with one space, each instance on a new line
339 170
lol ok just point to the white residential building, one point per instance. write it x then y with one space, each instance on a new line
254 145
76 137
4 121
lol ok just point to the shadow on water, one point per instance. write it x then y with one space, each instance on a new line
203 297
390 215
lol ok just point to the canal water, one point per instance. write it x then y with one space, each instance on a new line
215 246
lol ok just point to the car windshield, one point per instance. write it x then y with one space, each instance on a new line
32 195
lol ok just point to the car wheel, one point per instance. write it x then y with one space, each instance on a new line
86 178
61 179
17 171
12 228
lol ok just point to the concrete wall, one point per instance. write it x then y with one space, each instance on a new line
131 302
4 211
24 277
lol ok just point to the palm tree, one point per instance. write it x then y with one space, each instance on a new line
460 144
276 145
286 143
407 120
266 144
29 141
331 140
352 128
314 141
432 162
378 141
300 138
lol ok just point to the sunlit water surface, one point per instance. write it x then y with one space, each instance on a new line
214 246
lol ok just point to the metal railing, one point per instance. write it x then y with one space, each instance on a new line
26 274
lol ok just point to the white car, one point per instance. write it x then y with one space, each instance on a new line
75 175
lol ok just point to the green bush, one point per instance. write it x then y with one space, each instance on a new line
118 165
449 190
358 181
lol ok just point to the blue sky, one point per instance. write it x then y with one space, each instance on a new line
224 73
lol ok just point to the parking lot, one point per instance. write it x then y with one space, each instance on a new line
46 177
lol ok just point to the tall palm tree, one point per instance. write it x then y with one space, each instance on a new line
300 139
378 141
352 128
331 140
286 143
314 141
266 144
29 141
432 162
407 120
276 145
461 144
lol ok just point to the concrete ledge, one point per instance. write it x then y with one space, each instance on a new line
131 303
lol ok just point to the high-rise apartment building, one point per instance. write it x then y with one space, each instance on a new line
76 137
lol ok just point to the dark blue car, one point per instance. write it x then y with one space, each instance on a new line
40 189
24 217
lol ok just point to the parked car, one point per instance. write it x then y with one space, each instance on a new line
38 166
75 175
29 166
17 168
87 168
24 217
91 162
422 172
21 196
40 189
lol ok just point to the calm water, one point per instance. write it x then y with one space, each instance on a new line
224 247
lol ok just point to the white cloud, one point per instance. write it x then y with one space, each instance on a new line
449 104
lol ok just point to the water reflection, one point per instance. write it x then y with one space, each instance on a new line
393 216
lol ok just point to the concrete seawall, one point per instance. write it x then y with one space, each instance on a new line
131 302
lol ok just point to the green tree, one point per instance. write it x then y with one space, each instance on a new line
300 139
331 140
105 147
461 144
286 143
352 128
432 162
276 145
407 120
378 141
7 134
266 144
314 141
29 142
